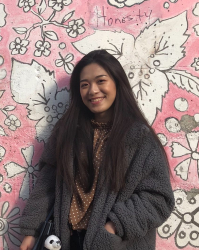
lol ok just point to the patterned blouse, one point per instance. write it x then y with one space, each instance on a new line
79 214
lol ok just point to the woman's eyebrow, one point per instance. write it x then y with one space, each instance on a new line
84 80
100 76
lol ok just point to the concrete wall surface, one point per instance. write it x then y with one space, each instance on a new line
157 43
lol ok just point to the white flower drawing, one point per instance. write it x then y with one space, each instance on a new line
148 65
195 64
184 220
3 15
172 125
196 9
26 4
58 5
75 28
123 3
14 169
19 46
66 62
12 122
163 139
7 188
181 104
42 48
45 105
2 153
9 226
178 150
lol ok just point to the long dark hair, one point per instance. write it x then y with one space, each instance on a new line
74 132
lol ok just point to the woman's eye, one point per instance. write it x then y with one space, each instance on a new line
84 85
101 81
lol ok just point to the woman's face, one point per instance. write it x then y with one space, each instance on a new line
98 91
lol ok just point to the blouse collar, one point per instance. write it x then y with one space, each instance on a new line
101 125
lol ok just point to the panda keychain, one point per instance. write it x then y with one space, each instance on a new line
52 243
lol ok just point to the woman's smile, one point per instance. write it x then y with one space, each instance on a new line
97 100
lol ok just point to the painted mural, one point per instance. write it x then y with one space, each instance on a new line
156 41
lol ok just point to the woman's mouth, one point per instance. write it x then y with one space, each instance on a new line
96 100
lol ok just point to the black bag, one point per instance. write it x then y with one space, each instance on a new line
46 230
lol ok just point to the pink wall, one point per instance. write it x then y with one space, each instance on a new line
157 43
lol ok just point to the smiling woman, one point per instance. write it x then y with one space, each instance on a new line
98 92
103 169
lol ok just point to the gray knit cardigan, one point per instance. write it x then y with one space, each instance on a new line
137 210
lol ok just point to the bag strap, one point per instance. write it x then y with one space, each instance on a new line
50 214
43 228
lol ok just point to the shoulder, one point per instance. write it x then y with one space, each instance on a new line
138 131
49 153
141 138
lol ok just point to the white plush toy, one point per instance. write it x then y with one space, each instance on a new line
52 243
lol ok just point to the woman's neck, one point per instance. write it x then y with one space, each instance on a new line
104 117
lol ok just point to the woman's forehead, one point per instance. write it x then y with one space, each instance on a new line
92 70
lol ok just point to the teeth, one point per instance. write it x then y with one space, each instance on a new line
96 100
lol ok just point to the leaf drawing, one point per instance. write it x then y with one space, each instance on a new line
2 132
20 30
51 35
149 87
9 108
146 63
1 93
165 39
4 111
42 7
67 16
118 44
184 80
42 97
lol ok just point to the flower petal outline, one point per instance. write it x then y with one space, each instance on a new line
28 154
13 169
37 53
169 227
182 169
183 235
25 187
4 208
46 52
193 139
179 150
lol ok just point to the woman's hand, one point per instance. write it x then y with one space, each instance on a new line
27 243
110 227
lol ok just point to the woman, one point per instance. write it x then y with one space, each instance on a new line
103 169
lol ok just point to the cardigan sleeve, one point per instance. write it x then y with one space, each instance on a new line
151 202
40 202
42 197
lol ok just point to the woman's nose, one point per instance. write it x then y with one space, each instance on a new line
93 89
